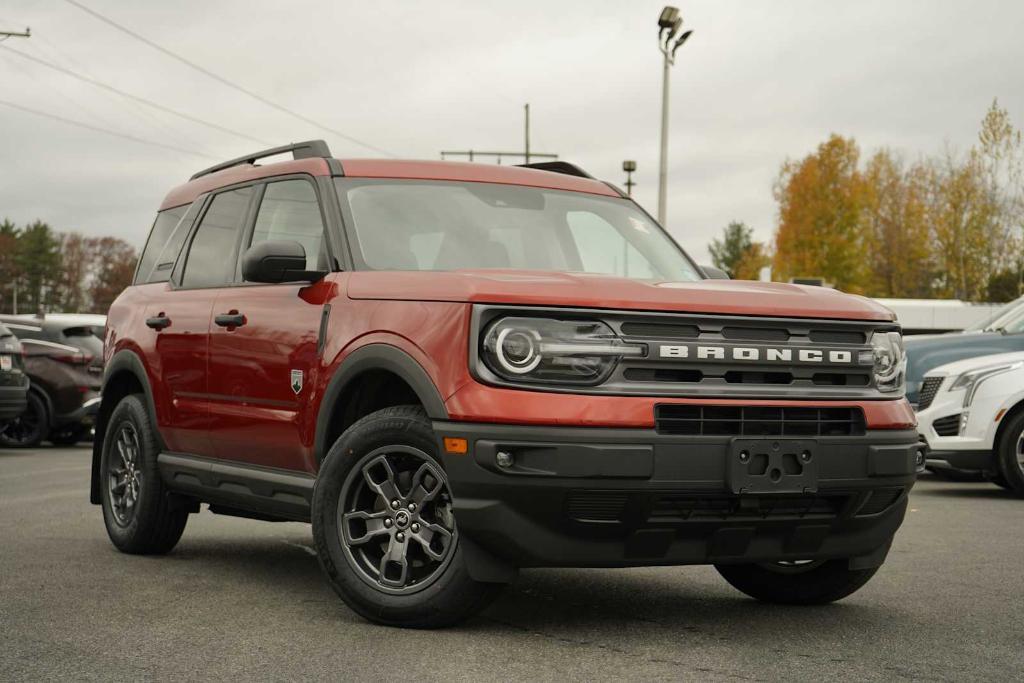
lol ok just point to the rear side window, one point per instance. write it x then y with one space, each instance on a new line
163 228
290 211
85 338
209 262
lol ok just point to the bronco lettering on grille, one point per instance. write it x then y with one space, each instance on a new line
758 354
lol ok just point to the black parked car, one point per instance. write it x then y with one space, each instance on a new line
63 357
13 380
1002 333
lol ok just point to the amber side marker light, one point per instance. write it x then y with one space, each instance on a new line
455 446
999 415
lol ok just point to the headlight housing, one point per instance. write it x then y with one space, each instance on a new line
970 381
890 362
549 351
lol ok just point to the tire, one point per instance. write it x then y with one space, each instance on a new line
392 454
1010 456
817 583
140 515
29 429
68 436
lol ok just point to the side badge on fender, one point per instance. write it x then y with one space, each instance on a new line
296 381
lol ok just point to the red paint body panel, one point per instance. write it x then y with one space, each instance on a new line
255 414
543 288
470 172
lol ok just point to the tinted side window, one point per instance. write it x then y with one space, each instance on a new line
290 211
207 264
165 223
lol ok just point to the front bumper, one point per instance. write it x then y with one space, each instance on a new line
598 497
13 401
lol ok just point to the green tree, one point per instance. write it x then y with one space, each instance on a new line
38 258
727 252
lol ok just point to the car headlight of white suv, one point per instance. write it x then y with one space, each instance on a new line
970 381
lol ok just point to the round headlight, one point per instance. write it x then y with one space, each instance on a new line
517 350
890 361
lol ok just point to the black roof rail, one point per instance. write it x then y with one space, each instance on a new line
310 149
563 167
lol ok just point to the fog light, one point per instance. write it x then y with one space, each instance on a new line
504 459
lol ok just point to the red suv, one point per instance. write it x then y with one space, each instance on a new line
456 370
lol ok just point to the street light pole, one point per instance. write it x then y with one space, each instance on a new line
629 167
668 26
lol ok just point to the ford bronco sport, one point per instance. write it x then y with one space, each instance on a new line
456 370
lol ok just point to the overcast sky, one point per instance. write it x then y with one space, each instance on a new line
758 82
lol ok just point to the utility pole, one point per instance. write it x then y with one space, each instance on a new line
4 35
668 25
629 167
526 153
526 107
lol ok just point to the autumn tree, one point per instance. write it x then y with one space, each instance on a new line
751 262
970 243
896 227
820 203
114 265
77 263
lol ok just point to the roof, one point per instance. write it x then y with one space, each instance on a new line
389 168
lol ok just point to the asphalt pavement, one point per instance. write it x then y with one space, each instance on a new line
245 600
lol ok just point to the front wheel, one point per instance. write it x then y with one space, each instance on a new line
1010 456
384 528
807 582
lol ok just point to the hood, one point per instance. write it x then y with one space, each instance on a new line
923 354
544 288
961 366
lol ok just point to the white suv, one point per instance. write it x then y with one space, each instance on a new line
971 414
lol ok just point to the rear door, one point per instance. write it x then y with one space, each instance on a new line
264 340
178 317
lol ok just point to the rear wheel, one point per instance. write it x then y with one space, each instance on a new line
384 528
807 582
140 515
29 429
1010 456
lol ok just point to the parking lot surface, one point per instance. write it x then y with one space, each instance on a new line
243 600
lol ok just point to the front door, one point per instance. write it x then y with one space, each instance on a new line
264 343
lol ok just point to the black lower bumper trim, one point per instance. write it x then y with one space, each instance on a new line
566 496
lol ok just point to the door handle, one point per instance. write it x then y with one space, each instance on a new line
158 322
230 319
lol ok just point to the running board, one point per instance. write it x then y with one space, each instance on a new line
283 494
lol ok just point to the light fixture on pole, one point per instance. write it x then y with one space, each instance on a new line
668 26
629 167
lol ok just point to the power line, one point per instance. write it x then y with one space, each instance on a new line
136 98
89 126
224 81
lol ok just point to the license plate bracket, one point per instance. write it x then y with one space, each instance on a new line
773 466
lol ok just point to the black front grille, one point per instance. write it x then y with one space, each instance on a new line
947 426
686 507
929 387
596 506
702 420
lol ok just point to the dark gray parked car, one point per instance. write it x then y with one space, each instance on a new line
13 380
1002 333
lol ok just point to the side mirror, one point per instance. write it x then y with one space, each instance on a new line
715 273
278 261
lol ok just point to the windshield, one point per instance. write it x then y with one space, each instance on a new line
1009 318
442 225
